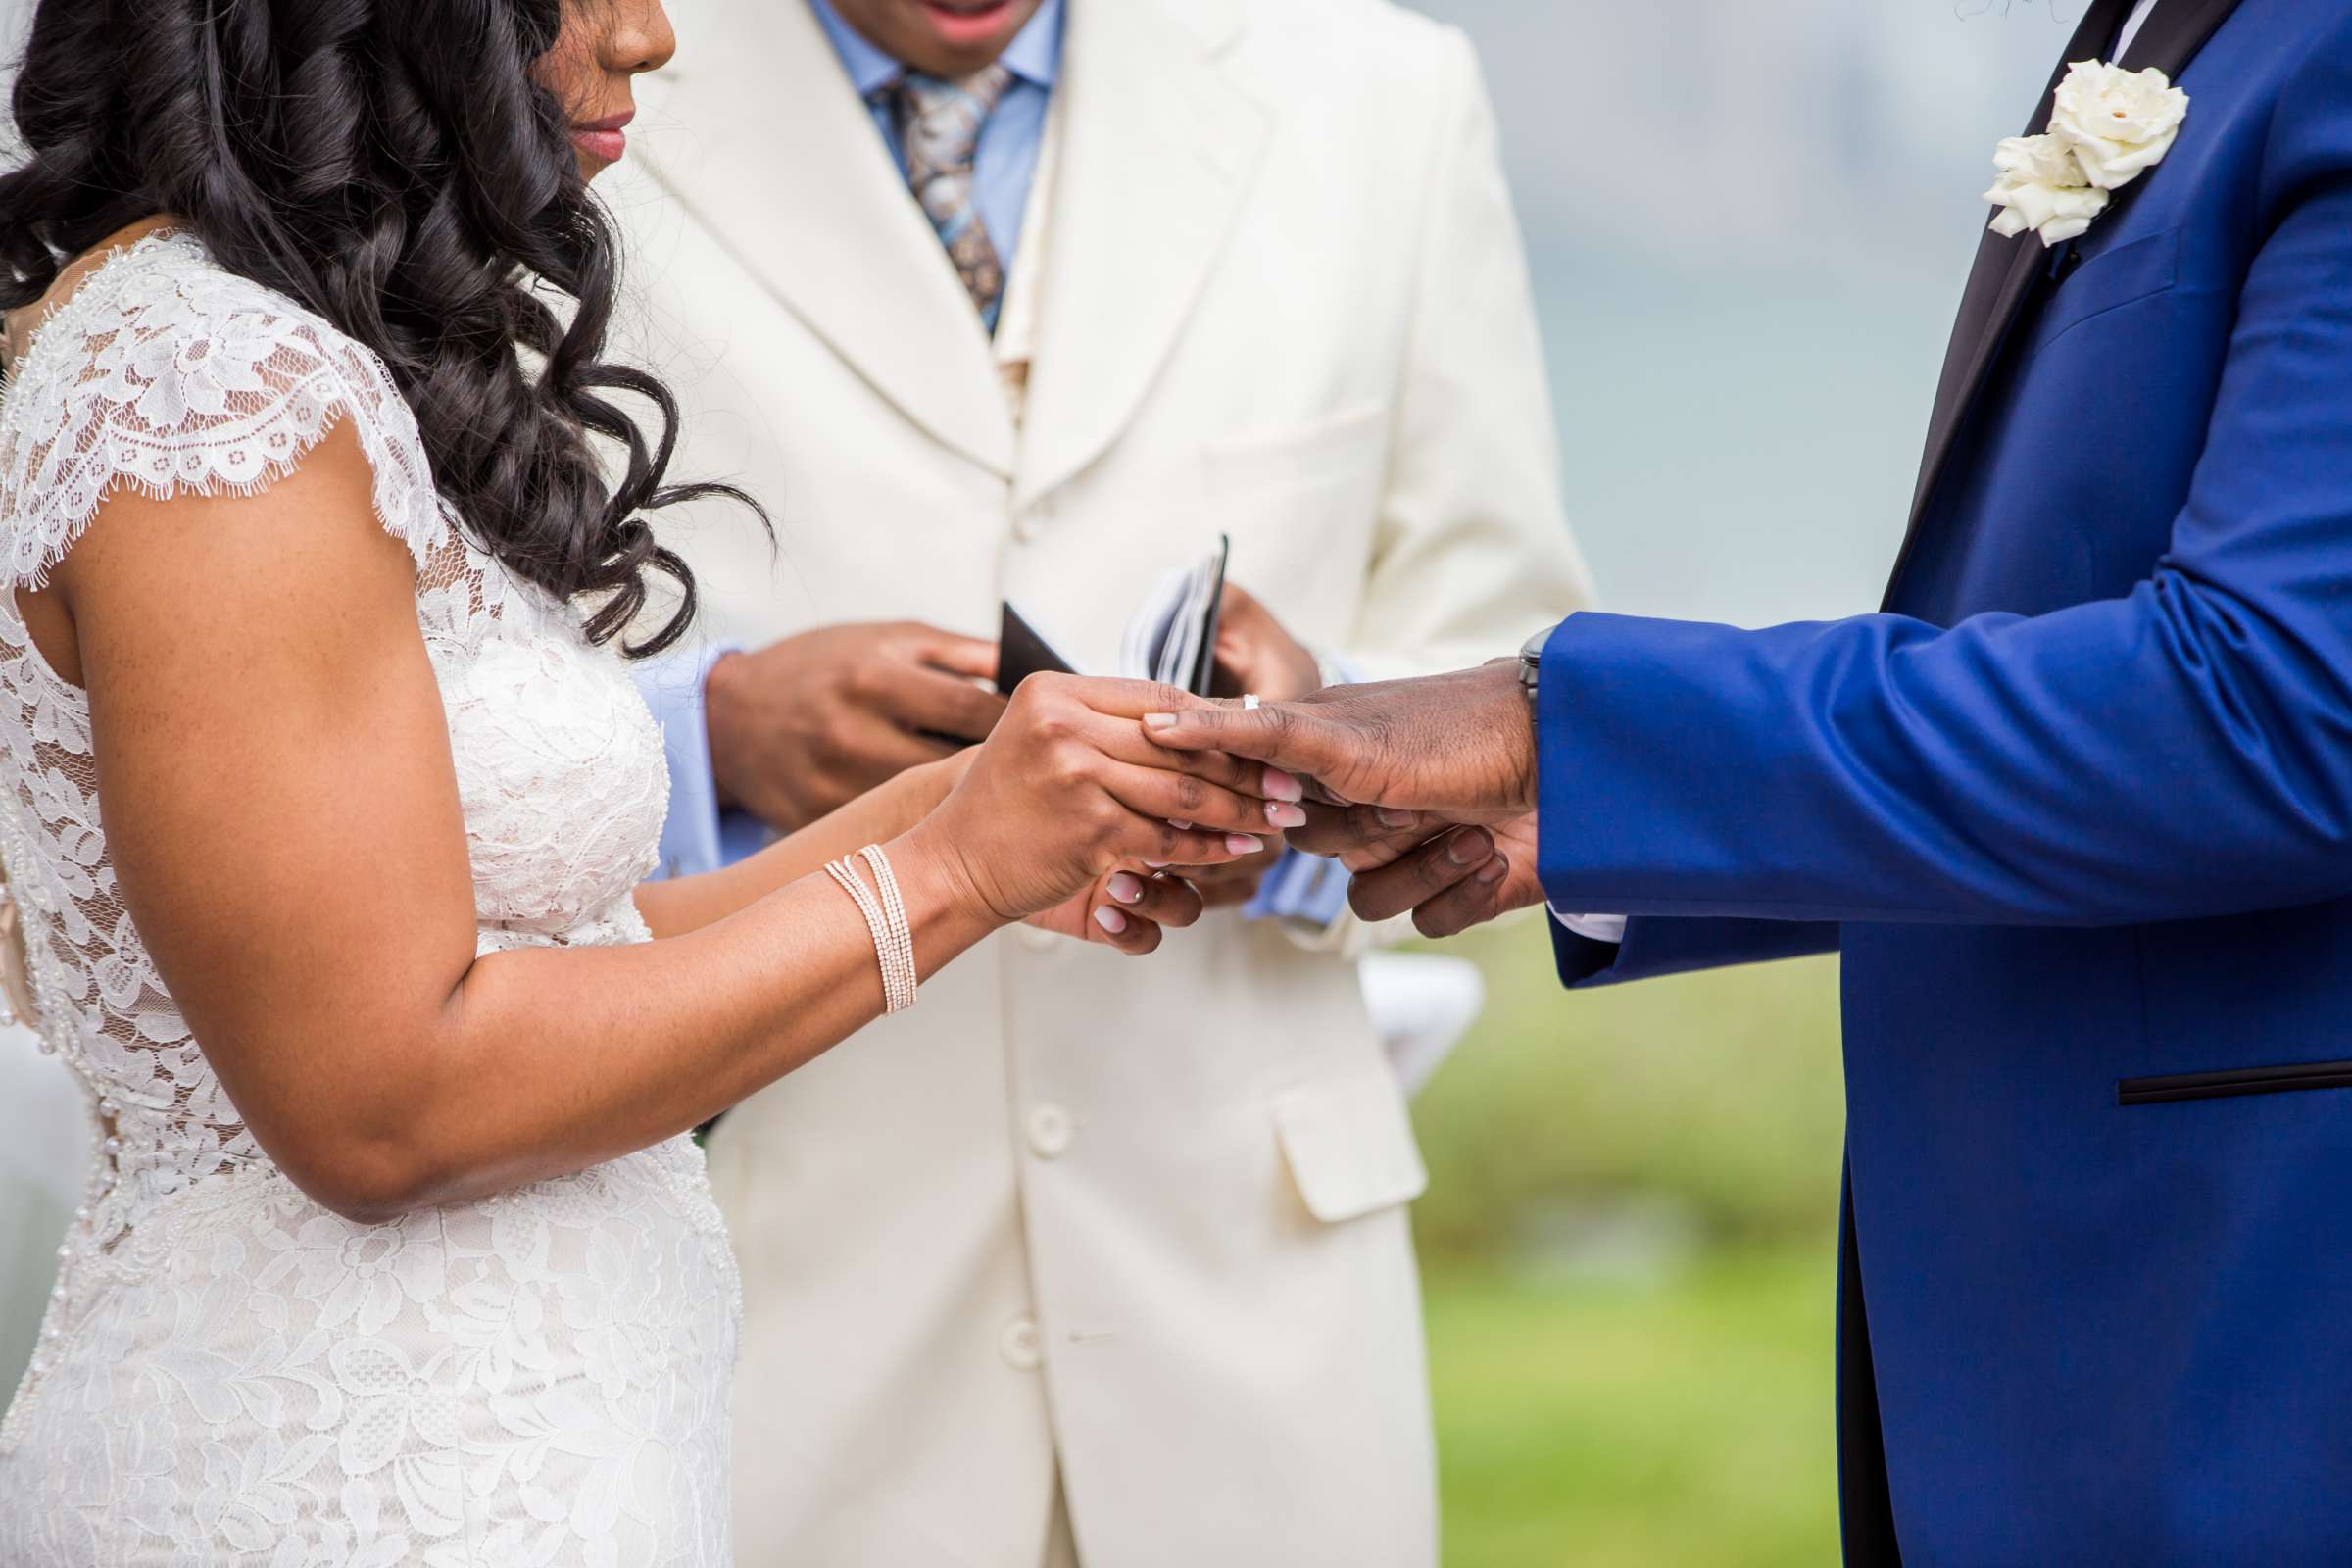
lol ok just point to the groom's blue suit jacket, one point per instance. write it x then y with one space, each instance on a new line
2077 808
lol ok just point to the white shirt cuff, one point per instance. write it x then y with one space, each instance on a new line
1608 928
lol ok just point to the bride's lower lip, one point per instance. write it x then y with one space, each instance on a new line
605 146
965 27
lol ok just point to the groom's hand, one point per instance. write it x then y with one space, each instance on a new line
1463 877
1462 747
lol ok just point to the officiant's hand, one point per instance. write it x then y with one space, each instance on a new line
807 724
1461 746
1255 653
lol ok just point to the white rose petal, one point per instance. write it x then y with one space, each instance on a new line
2039 161
2055 216
2120 124
2042 188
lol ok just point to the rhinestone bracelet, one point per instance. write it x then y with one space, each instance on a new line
886 922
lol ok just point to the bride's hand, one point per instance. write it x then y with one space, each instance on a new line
1129 909
1068 790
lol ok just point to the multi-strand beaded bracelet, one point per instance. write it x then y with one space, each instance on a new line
886 918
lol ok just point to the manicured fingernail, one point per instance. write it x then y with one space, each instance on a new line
1159 721
1160 865
1389 818
1242 843
1181 827
1282 813
1110 920
1280 786
1491 873
1126 887
1468 849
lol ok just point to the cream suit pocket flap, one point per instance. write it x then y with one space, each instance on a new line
1350 1147
1339 446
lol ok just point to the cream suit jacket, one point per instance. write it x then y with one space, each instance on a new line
1143 1219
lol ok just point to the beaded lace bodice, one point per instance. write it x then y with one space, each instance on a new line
168 373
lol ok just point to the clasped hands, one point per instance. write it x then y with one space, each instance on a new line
1424 789
801 728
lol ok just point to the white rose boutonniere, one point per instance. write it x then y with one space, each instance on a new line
2042 189
2108 126
2120 122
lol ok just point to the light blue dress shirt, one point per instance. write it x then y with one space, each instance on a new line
697 836
1004 164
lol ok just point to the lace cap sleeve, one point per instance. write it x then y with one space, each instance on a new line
169 373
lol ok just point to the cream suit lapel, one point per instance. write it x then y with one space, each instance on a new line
1158 149
759 135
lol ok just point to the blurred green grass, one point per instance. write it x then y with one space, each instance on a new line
1632 1427
1629 1244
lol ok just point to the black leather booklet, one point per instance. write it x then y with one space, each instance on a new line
1172 636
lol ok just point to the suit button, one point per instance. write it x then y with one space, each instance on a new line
1019 1346
1049 1132
1030 522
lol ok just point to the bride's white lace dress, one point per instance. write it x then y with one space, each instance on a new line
229 1373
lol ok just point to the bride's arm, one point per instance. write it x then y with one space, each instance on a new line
681 905
1128 911
281 812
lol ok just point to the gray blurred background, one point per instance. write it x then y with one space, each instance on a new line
1748 223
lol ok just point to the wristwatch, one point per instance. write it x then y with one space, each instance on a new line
1530 659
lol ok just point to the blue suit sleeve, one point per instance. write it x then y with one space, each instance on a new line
2185 751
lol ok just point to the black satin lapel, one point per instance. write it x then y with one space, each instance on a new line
1865 1500
1999 283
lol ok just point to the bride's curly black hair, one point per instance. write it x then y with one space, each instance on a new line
395 166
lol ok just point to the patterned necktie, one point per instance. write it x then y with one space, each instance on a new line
939 126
